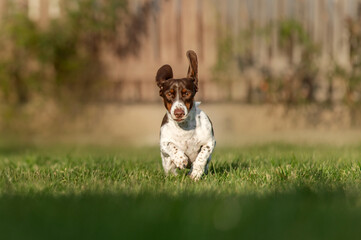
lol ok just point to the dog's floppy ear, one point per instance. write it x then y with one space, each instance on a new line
193 67
164 73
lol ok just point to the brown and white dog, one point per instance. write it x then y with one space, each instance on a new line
186 133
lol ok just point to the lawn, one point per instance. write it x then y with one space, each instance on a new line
273 191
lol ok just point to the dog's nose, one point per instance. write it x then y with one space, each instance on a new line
179 113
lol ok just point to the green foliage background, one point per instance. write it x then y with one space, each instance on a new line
298 83
60 61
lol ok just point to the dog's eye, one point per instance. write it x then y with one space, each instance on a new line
186 94
169 94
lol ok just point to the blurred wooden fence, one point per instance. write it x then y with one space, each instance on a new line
174 26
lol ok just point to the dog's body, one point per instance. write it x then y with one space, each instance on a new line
186 134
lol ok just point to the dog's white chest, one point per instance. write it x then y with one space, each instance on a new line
190 137
189 142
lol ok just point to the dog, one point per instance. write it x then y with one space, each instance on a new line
186 133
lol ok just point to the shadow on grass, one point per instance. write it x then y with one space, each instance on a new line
300 214
12 149
227 167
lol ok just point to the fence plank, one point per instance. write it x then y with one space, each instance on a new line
2 9
170 34
200 29
156 28
44 13
178 27
274 29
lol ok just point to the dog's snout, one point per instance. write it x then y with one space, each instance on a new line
179 113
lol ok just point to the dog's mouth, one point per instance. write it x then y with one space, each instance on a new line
179 119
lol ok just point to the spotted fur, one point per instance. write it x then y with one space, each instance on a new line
186 134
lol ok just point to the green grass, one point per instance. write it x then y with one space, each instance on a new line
273 191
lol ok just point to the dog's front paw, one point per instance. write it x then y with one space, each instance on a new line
196 174
181 161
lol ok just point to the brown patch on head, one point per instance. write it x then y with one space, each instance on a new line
165 120
183 89
163 75
187 92
169 93
189 105
193 67
168 105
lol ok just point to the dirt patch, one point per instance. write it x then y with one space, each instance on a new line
234 124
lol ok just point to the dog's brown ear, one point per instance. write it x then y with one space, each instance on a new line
164 73
193 67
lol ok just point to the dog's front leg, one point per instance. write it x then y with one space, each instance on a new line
176 156
200 163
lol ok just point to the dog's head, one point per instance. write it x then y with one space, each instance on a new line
178 94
